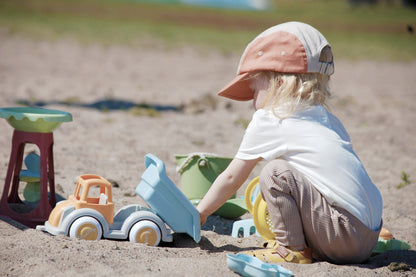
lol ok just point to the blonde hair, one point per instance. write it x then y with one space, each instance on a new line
295 90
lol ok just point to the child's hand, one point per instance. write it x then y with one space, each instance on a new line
202 219
226 184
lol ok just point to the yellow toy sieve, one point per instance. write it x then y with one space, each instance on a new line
259 211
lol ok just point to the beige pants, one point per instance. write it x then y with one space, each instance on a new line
301 215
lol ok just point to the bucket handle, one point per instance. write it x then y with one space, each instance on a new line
202 156
203 162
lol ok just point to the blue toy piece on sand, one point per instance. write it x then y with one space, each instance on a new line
250 266
166 199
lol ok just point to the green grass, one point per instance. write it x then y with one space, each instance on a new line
405 180
365 32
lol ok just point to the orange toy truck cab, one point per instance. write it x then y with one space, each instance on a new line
94 192
91 191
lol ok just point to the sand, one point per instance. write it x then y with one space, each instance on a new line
375 101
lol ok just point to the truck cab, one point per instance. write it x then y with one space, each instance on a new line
91 191
94 192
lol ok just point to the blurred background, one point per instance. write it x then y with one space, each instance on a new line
357 29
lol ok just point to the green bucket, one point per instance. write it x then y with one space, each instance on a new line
198 172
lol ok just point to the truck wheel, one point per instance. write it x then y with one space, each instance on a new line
145 231
87 228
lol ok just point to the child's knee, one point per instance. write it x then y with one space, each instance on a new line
276 175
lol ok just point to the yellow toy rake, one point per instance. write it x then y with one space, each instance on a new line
259 211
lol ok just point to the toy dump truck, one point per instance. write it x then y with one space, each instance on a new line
88 213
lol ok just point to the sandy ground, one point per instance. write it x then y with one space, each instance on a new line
375 100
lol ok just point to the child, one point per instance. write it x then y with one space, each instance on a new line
321 200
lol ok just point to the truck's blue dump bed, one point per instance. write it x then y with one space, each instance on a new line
165 198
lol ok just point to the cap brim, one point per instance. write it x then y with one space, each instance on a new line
238 89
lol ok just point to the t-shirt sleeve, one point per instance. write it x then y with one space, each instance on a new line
263 138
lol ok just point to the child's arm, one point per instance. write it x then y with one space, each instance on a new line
226 184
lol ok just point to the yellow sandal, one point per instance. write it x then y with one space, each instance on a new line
275 253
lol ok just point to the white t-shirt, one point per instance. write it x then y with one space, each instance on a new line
316 143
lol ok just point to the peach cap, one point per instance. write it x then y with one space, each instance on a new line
291 47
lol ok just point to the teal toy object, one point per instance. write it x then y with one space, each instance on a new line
31 176
249 266
163 196
35 120
244 228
